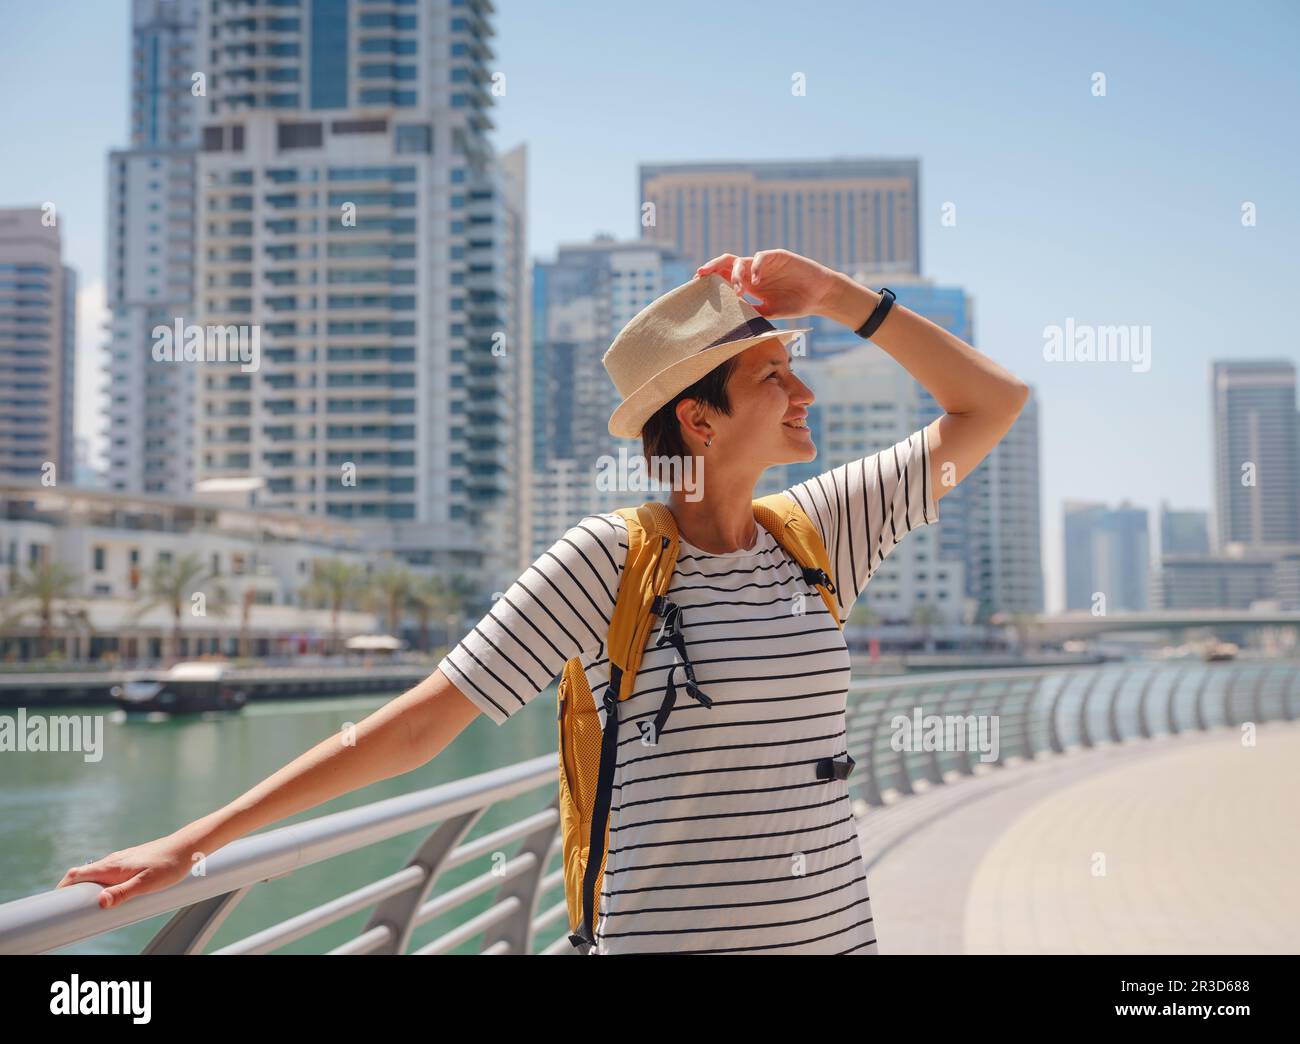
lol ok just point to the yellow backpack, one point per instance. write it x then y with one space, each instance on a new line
588 756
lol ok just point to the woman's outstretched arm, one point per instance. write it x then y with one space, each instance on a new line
400 736
559 608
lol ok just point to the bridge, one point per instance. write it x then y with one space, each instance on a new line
1136 807
1080 623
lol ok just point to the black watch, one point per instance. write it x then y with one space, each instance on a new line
878 314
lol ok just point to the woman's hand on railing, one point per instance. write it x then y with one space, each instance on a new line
145 868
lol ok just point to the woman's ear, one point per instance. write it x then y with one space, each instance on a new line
693 419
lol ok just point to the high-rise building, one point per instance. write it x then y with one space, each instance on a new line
581 301
845 213
1002 538
1106 552
515 513
357 230
1256 454
150 254
1190 581
68 378
1183 532
37 348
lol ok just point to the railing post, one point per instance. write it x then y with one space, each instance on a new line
1054 729
191 928
1112 711
972 703
1036 696
871 770
1256 698
1202 722
1173 696
934 764
1085 734
397 912
1005 689
1144 717
904 773
517 931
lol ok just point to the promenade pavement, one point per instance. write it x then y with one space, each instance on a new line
1179 844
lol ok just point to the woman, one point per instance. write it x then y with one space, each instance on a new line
720 840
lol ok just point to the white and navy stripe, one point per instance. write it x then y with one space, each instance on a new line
722 839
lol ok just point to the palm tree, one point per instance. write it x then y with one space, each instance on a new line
12 611
925 615
171 583
863 615
335 583
245 611
77 618
389 592
47 584
10 614
433 594
1025 626
461 593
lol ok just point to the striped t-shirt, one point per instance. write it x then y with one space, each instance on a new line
721 838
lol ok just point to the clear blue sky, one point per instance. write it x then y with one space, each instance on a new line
1118 210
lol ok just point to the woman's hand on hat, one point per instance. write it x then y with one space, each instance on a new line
787 284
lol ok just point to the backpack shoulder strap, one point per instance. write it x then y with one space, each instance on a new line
790 525
587 773
651 559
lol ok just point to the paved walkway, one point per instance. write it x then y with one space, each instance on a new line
1187 844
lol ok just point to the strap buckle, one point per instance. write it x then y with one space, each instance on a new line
818 576
835 768
672 620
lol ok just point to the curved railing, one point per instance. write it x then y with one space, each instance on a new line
1029 712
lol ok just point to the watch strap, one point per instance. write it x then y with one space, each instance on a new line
878 314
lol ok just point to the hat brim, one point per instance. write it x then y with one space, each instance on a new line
629 418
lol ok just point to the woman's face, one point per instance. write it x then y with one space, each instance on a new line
768 406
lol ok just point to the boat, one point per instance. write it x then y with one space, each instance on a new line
186 688
1213 652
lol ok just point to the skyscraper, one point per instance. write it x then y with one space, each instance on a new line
37 346
150 262
582 300
1183 532
1106 552
353 218
845 213
1256 454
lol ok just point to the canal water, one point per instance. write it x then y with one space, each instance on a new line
58 810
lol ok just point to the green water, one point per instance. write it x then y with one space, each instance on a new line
58 810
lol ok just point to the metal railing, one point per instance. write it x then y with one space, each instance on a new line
1035 712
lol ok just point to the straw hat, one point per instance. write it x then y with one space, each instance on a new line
677 339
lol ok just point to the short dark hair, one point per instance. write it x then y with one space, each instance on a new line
661 435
